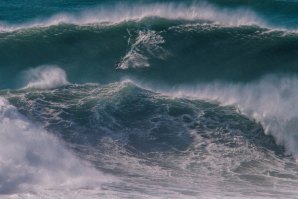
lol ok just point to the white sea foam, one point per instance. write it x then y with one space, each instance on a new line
272 101
32 160
147 42
124 12
45 77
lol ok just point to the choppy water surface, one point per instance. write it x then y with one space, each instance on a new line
148 99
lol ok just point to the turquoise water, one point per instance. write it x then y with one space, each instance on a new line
148 99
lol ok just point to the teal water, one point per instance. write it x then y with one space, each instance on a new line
148 99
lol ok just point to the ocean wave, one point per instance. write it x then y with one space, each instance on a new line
167 52
155 99
179 141
44 77
123 12
32 158
270 100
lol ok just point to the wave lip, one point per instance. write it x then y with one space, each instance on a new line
123 12
270 101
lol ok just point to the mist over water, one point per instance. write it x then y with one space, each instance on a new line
32 158
45 77
127 12
159 99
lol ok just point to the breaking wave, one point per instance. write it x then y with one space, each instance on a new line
149 100
32 158
123 13
270 101
45 77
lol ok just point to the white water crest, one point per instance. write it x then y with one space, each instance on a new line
124 12
32 160
271 101
45 77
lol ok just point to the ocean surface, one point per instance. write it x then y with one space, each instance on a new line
148 99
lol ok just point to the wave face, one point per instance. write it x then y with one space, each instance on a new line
155 99
150 49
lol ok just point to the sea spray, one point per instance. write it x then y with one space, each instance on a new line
270 101
31 157
44 77
174 99
124 12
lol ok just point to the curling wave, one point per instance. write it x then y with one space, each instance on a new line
122 13
270 101
177 141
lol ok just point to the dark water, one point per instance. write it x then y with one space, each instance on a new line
148 99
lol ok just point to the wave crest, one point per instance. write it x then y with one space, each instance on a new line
123 12
45 77
271 101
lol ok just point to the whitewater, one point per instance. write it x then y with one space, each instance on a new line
155 99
